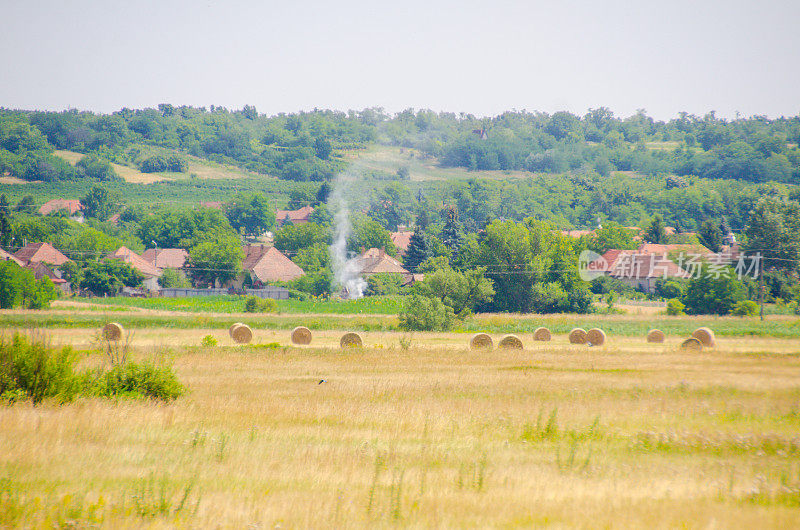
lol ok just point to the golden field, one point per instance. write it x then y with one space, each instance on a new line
626 435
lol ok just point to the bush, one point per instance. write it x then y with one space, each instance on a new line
209 341
134 380
422 313
384 283
713 293
158 163
95 167
675 307
670 288
254 304
745 308
31 369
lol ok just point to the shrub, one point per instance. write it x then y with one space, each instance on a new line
31 369
384 283
422 313
133 379
208 340
158 163
712 292
675 307
745 308
254 304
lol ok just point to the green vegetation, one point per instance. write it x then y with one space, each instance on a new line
30 369
20 288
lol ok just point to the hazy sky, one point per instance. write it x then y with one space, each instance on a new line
479 57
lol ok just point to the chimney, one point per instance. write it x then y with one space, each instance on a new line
382 253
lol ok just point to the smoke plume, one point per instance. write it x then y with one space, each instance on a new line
346 273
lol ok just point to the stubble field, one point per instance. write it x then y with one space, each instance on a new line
417 431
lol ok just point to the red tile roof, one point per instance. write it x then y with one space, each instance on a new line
630 264
168 258
375 261
268 264
299 216
5 256
401 239
74 206
653 248
217 205
40 253
134 260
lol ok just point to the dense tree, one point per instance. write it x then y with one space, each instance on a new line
100 203
612 235
710 235
293 238
712 292
417 251
773 231
19 288
368 234
107 277
251 214
463 292
656 233
451 233
215 263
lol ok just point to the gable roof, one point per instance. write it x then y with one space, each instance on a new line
268 264
73 206
631 264
401 239
134 260
375 261
166 258
40 253
300 215
5 256
653 248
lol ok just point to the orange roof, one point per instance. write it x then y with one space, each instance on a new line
576 233
166 258
217 205
268 264
636 265
299 216
5 256
40 253
401 239
653 248
375 261
134 260
74 206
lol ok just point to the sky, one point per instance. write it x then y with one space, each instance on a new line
467 56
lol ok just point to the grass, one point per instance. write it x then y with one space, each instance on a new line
236 304
424 437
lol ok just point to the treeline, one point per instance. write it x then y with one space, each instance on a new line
307 146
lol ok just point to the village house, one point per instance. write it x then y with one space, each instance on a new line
40 253
150 272
73 207
166 258
6 256
297 217
265 264
40 270
377 261
402 238
637 269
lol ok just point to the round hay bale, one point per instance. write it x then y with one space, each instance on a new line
242 334
301 335
481 341
655 335
577 336
112 331
692 344
234 326
541 334
351 340
705 336
510 342
595 337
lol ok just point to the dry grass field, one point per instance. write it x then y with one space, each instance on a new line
425 434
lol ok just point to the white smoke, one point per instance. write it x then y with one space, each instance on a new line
346 273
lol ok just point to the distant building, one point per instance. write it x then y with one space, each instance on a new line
40 270
40 253
297 217
166 258
377 261
6 256
267 264
150 272
637 269
402 239
216 205
73 207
